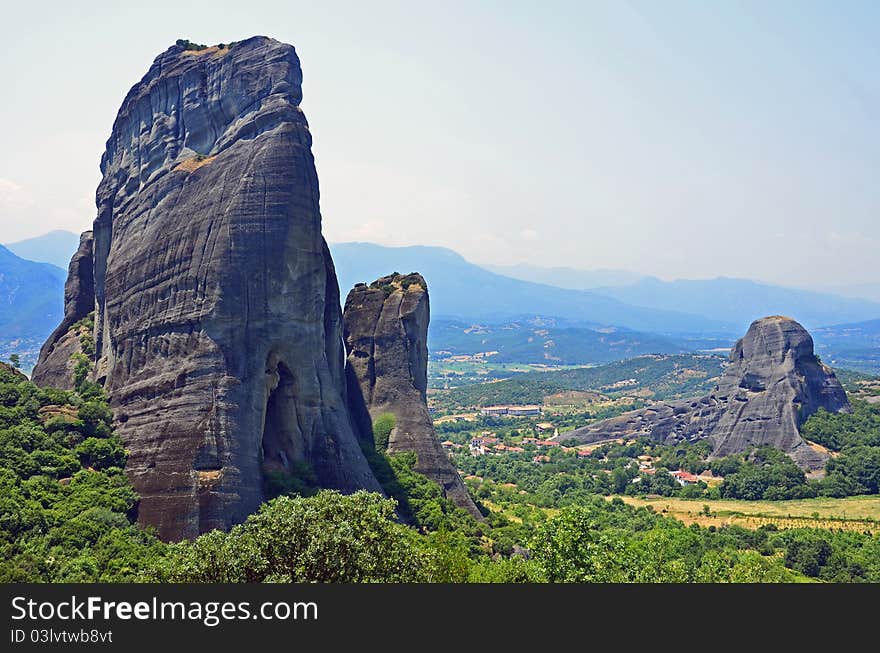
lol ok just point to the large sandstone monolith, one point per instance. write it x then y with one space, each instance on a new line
773 383
218 327
386 334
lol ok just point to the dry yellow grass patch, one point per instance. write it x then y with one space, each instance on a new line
193 163
212 50
210 477
850 514
467 417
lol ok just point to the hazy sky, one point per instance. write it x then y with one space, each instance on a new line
681 139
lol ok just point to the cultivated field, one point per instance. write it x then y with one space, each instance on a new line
852 513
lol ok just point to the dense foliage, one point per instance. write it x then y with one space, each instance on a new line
838 431
67 510
543 341
611 542
325 538
65 503
664 376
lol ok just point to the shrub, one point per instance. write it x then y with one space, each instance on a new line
382 427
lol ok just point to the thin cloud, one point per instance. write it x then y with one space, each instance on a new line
13 198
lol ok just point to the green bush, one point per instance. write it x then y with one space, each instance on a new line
325 538
382 427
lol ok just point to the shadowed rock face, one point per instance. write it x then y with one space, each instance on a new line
773 383
218 326
54 367
386 334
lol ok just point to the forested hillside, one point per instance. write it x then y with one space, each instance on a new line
68 515
657 377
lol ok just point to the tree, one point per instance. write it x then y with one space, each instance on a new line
15 360
619 480
807 553
572 547
325 538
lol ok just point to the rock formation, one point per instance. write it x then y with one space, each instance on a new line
386 335
217 326
54 367
773 383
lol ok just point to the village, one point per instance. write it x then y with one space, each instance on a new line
541 444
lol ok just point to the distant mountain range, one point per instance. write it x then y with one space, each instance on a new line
687 314
850 346
470 292
55 247
570 278
464 291
860 290
31 296
737 302
544 341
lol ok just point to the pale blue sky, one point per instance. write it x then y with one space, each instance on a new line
681 139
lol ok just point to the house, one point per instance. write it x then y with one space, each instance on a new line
683 477
544 426
477 447
495 410
512 411
522 411
541 459
583 453
709 478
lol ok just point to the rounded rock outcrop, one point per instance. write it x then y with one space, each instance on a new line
774 381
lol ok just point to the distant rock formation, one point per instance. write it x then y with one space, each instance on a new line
54 367
218 327
773 383
16 374
386 335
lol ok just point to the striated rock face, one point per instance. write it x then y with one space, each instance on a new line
218 326
386 334
773 383
54 367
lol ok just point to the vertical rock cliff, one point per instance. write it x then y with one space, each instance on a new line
773 383
386 334
54 367
217 326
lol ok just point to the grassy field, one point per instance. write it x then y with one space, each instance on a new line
485 367
852 513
